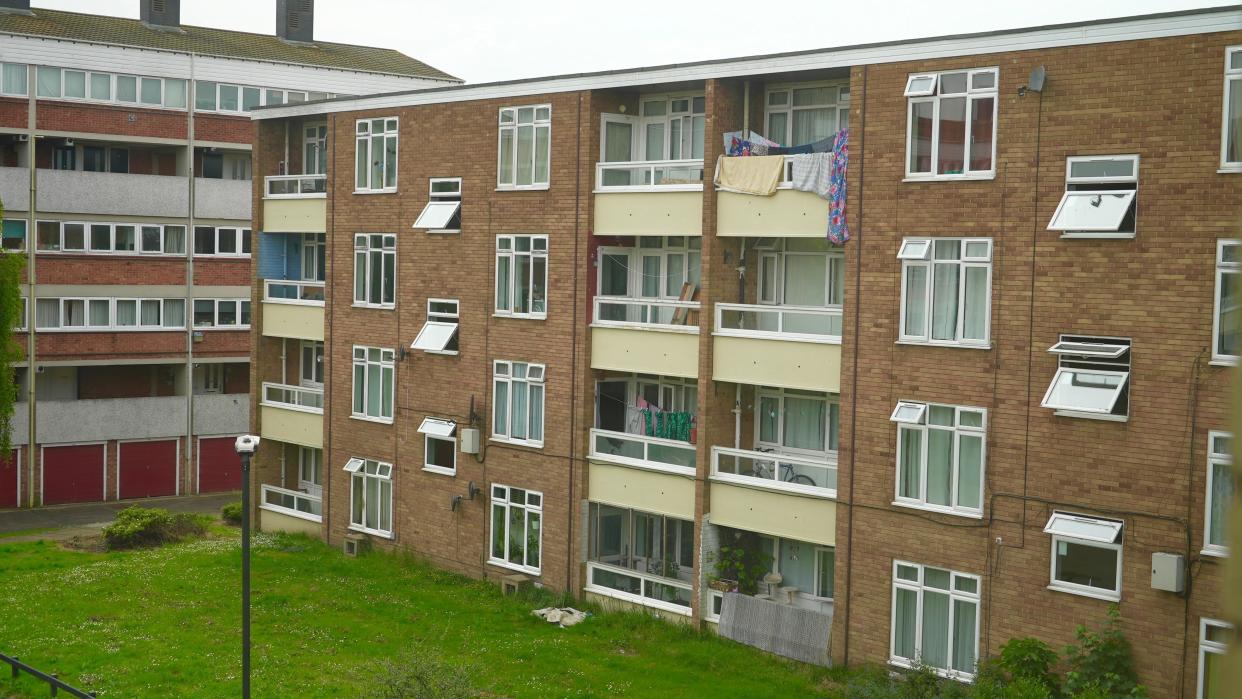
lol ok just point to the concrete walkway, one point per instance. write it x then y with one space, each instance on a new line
98 514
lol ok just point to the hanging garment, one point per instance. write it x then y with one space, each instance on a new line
738 143
838 232
812 173
756 175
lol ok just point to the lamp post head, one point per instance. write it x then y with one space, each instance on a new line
246 444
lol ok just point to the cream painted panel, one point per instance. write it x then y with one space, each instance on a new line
271 521
292 426
786 214
649 213
645 351
777 514
612 604
781 363
293 320
649 491
295 215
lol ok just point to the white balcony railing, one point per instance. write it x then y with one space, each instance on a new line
295 291
295 186
280 395
642 451
640 588
650 176
294 503
800 323
795 474
653 314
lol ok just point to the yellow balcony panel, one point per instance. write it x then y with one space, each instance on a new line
649 213
800 517
276 521
811 366
639 489
292 426
787 214
298 321
308 215
645 350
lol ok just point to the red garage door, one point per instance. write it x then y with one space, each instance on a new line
73 474
148 469
219 466
8 478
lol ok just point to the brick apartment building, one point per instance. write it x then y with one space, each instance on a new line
139 362
553 348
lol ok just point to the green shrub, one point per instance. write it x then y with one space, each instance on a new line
1102 664
1023 661
232 513
421 674
137 527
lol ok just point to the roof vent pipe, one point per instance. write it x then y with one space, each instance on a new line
295 20
161 14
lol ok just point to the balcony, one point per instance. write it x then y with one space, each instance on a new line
295 204
783 346
639 588
293 308
292 414
645 197
284 510
778 472
641 451
788 213
775 494
100 419
650 336
118 194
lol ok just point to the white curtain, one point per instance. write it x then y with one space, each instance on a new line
905 622
769 414
969 469
127 313
911 455
536 412
810 125
521 395
47 313
916 301
974 316
939 466
964 635
525 155
174 240
805 423
174 313
1222 495
150 312
98 315
1234 128
944 301
935 641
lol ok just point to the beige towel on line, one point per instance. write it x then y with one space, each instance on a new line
750 175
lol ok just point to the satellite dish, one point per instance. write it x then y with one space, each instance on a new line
1036 83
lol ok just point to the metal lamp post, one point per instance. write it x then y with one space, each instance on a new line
246 445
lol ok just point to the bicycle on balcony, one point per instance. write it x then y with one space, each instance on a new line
768 469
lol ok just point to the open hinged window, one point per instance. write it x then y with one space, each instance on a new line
353 465
1101 531
921 85
442 214
1086 555
439 333
1100 200
437 427
909 413
440 445
914 249
1092 379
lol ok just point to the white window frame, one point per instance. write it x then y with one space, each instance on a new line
1207 647
508 255
818 549
112 98
955 595
88 249
532 503
6 89
310 460
361 470
1096 357
388 247
363 134
508 126
1081 186
777 257
437 320
1223 268
1116 547
448 199
959 431
779 395
535 376
442 430
314 144
841 107
242 311
910 259
1215 459
1233 80
387 365
315 361
972 96
684 119
113 324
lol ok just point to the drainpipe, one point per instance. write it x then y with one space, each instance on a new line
284 372
737 416
745 108
31 235
189 280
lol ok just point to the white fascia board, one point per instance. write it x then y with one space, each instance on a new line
1130 29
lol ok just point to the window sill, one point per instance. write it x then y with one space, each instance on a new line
371 532
389 307
937 510
1087 235
440 470
367 418
1224 360
1091 416
513 566
1085 592
953 345
443 353
1215 551
939 672
983 176
523 188
522 316
516 442
375 191
444 231
1230 170
199 328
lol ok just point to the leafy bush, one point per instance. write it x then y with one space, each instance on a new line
1023 661
137 527
1102 664
420 674
232 514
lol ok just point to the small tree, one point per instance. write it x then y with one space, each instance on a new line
1102 663
11 351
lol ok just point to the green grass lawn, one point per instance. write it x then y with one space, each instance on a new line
165 623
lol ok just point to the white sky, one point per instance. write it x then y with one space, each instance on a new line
484 40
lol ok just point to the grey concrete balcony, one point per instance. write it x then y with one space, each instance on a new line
75 192
132 418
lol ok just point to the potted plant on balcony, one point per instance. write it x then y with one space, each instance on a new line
741 565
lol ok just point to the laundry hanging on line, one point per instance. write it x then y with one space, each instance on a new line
667 424
759 175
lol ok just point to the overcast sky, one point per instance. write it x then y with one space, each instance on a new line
484 40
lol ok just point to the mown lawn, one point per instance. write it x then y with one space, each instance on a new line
165 623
